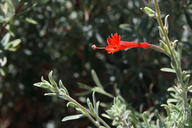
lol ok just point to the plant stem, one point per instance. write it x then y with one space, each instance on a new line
15 13
176 64
161 25
87 112
157 48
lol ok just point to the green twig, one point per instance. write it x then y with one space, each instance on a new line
176 65
88 113
15 13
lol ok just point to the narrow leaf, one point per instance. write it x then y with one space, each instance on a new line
145 120
83 93
189 88
168 70
73 117
160 122
165 47
96 79
71 104
84 86
166 24
45 85
81 111
62 88
11 28
172 100
2 72
97 107
134 119
41 85
50 94
101 91
63 91
90 105
53 83
61 85
3 61
148 11
167 109
5 39
125 27
13 45
31 20
106 116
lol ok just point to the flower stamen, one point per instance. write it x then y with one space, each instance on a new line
95 47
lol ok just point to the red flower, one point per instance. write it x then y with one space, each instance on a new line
115 44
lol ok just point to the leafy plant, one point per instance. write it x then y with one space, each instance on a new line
8 12
178 107
62 92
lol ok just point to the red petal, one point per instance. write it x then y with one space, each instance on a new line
112 49
115 39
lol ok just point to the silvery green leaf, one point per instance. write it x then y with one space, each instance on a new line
30 20
83 93
97 107
73 117
167 109
53 83
96 79
94 103
50 94
2 72
12 29
62 88
164 46
145 120
90 105
106 116
171 89
168 70
3 61
166 24
161 33
42 85
134 118
189 88
84 86
171 100
126 27
5 39
63 91
71 104
4 7
13 45
81 111
148 11
174 43
101 91
174 96
160 121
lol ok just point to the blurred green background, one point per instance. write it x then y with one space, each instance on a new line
62 40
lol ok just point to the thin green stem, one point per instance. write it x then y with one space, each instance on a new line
162 27
157 48
87 112
15 13
176 64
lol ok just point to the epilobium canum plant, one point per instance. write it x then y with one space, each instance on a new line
178 108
